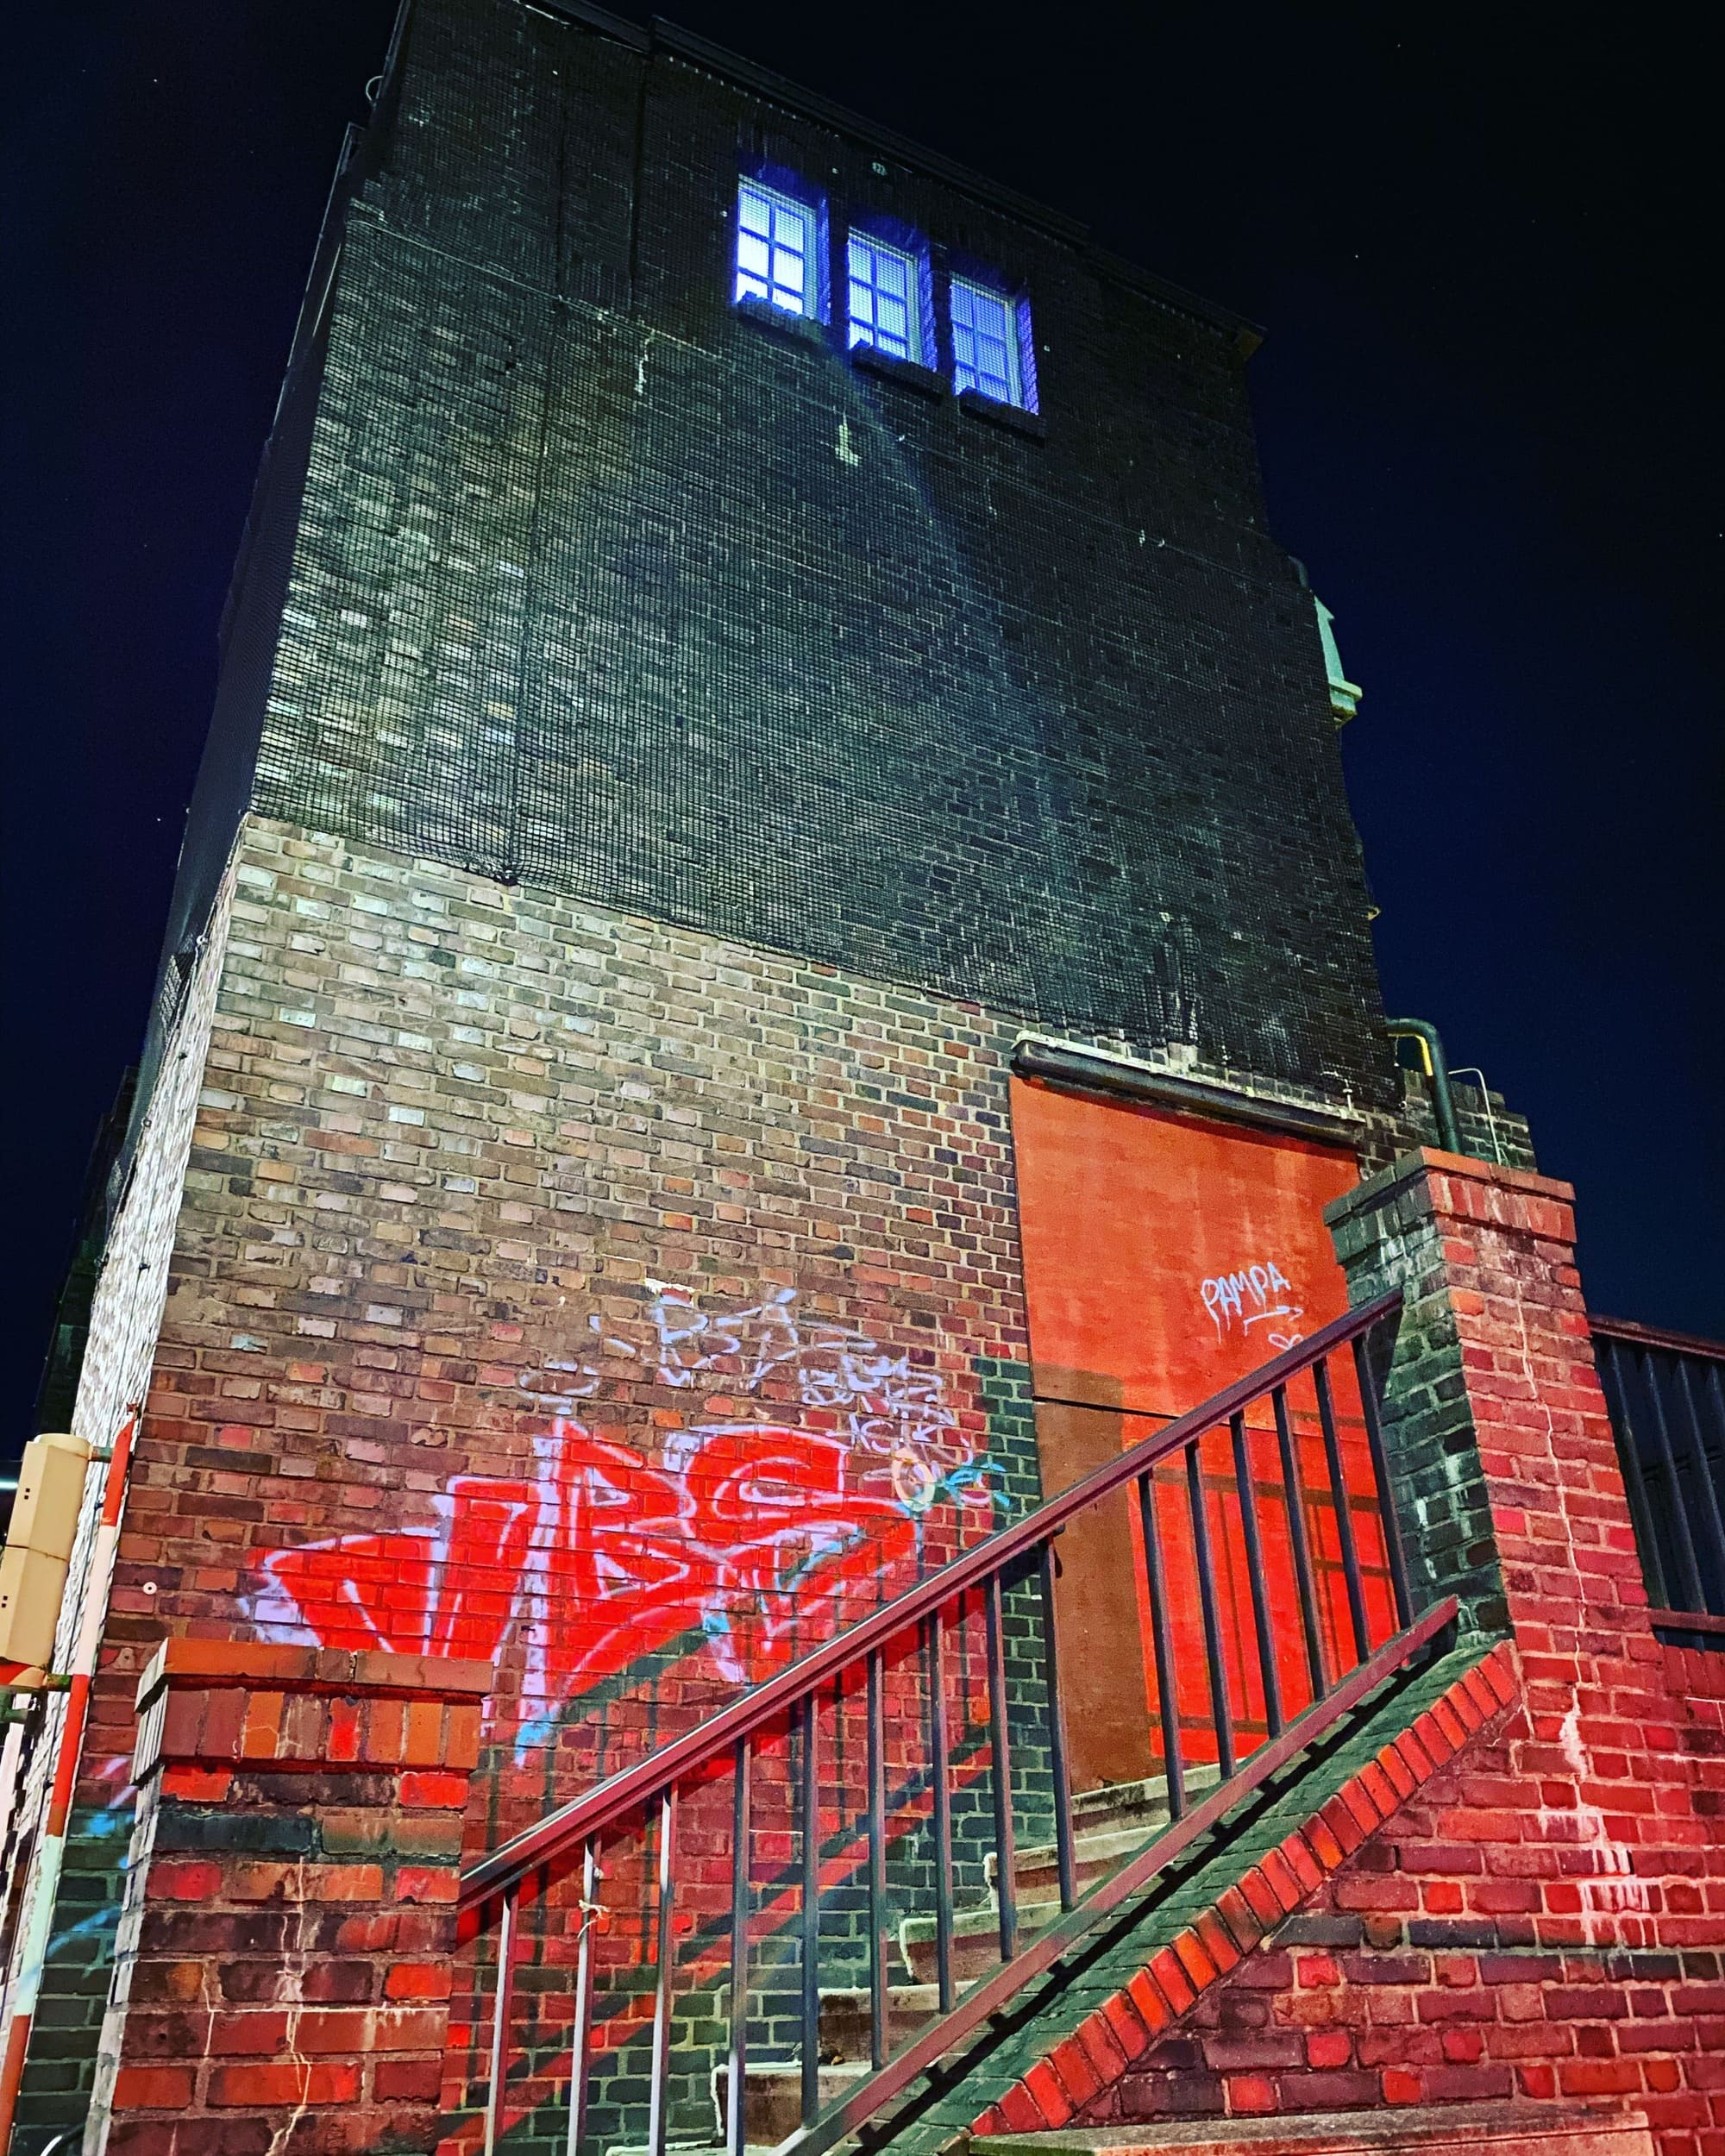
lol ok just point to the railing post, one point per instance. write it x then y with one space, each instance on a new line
810 1817
1057 1735
1167 1689
877 1860
1222 1715
581 2050
1006 1858
1364 1378
1255 1579
502 2013
658 2100
737 2064
940 1769
1295 1495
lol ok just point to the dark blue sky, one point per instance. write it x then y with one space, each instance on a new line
1484 250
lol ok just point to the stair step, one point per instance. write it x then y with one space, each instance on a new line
1107 1825
1114 1803
975 1938
1094 1855
772 2096
847 2019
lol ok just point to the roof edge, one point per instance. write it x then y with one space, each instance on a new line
696 51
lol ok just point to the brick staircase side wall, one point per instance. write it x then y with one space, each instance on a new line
1490 1941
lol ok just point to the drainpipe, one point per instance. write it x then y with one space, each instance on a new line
1437 1071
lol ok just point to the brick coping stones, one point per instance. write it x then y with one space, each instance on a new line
1494 2129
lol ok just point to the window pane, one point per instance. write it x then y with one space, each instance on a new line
774 242
881 297
984 342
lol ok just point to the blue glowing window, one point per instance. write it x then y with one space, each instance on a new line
885 305
984 342
775 249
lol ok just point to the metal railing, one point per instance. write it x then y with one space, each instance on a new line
732 1874
1666 1393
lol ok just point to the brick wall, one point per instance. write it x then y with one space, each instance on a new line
505 1214
1506 1936
498 1195
284 1957
584 593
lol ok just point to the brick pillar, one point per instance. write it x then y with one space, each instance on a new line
282 1971
1500 1446
1511 1497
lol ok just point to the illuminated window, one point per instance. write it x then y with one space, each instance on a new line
885 302
775 249
986 353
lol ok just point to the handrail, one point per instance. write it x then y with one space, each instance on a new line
1685 1620
633 1786
1639 1335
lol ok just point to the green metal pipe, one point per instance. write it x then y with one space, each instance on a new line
1438 1070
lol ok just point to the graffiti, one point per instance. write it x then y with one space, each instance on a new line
1257 1295
879 1402
1613 1890
761 1538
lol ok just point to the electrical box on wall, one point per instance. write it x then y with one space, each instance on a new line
31 1586
44 1527
50 1495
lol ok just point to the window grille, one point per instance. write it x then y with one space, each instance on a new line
984 342
775 249
885 302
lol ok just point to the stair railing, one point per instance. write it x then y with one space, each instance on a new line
1194 1528
1665 1394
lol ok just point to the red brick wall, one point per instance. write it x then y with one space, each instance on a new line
284 1959
1496 1940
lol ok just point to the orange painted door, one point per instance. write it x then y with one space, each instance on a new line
1165 1257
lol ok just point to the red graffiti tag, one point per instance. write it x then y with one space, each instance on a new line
754 1535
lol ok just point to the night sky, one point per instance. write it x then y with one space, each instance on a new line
1483 247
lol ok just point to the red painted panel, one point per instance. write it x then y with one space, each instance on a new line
1165 1254
1163 1257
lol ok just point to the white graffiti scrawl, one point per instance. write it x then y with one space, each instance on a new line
892 1414
1253 1295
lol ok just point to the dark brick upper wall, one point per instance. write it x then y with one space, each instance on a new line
592 591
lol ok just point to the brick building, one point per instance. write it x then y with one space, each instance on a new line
770 965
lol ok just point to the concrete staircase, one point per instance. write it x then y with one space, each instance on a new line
1288 1830
1108 1825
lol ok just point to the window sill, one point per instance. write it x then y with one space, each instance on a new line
797 328
908 373
1012 416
